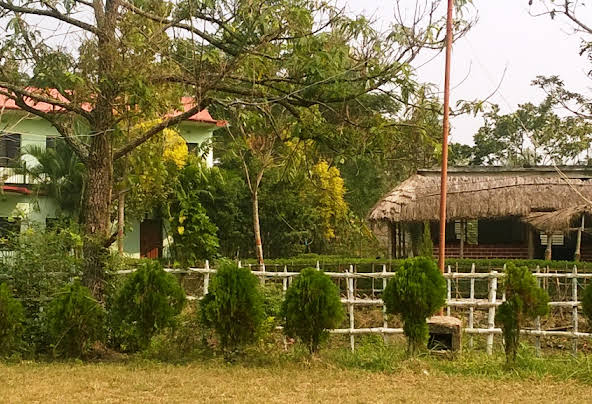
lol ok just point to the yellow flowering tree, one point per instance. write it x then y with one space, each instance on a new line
148 173
325 191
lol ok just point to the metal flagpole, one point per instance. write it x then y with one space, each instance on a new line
446 130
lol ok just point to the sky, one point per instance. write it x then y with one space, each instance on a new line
505 38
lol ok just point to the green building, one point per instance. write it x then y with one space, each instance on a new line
21 205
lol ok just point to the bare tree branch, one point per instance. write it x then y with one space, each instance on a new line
51 13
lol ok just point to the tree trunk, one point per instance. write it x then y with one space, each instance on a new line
256 228
99 164
96 213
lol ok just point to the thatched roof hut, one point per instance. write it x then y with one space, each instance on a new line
486 192
559 221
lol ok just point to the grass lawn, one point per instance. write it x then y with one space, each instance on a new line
319 380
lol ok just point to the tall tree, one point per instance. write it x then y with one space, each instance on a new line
126 61
577 13
531 135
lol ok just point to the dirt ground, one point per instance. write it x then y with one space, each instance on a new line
147 382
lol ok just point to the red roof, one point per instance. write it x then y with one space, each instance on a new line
187 102
16 189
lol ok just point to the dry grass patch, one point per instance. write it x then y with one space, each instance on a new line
213 382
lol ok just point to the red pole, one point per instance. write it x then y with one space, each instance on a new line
446 130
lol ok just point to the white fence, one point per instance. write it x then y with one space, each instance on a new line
351 299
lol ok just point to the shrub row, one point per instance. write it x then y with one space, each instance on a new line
149 300
238 311
325 261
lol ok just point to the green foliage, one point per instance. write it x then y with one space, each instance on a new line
531 135
312 306
75 320
59 174
416 292
524 300
194 234
149 301
426 248
179 344
233 308
41 263
12 317
587 303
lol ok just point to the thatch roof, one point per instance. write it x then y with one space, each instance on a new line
559 221
485 192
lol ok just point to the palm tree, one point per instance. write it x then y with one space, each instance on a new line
59 175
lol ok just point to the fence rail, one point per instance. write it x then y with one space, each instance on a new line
493 300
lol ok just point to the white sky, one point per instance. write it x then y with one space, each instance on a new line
505 36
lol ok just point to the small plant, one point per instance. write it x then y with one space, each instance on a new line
524 300
426 248
416 292
12 317
149 301
75 320
233 308
587 303
311 307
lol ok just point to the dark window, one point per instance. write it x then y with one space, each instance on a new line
501 231
435 232
191 147
50 142
10 148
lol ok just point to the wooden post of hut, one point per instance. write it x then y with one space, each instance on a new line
462 237
548 252
530 236
578 253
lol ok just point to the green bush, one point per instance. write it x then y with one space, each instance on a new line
12 317
42 262
75 320
149 301
416 292
181 343
311 307
426 248
233 308
524 300
194 234
587 303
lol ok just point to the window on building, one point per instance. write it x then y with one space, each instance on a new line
556 239
10 148
471 230
50 142
191 147
501 231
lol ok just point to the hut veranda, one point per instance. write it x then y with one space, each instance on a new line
492 212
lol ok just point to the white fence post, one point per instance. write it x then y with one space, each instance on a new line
574 294
206 284
449 292
472 308
384 316
537 320
350 297
491 316
285 280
